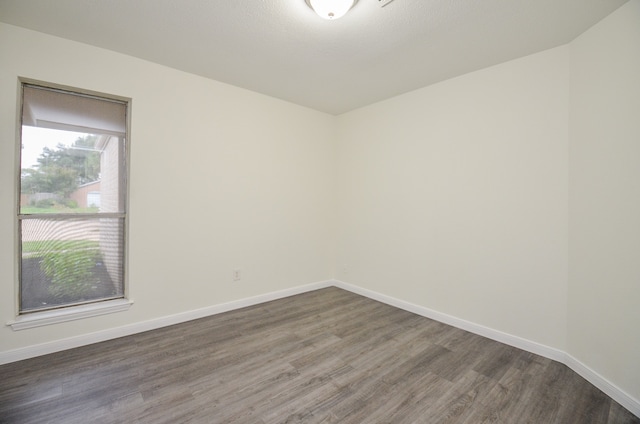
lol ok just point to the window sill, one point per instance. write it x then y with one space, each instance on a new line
39 319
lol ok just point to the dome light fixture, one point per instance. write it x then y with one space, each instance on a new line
331 9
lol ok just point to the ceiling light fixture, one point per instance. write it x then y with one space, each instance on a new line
331 9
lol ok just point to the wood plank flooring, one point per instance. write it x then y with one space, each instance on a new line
328 356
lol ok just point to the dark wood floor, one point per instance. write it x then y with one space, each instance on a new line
328 356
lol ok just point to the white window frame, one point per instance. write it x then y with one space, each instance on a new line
64 313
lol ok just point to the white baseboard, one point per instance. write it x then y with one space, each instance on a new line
127 330
511 340
613 391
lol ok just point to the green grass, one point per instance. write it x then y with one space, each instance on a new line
47 246
31 210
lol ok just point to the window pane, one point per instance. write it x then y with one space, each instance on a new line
70 260
70 172
72 152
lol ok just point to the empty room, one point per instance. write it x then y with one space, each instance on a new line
320 211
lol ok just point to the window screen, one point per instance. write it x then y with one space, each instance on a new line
72 198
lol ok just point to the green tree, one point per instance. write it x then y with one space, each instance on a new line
51 179
62 169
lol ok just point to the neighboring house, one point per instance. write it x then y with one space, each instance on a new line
87 195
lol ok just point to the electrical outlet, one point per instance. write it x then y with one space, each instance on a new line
236 275
345 269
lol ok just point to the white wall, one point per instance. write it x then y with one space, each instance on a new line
508 197
604 201
221 178
454 197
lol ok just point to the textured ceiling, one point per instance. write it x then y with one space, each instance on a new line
282 49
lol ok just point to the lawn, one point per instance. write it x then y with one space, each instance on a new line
32 210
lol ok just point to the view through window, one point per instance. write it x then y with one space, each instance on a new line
72 198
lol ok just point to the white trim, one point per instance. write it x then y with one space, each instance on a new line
613 391
72 313
490 333
114 333
610 389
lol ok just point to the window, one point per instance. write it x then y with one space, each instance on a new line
72 203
